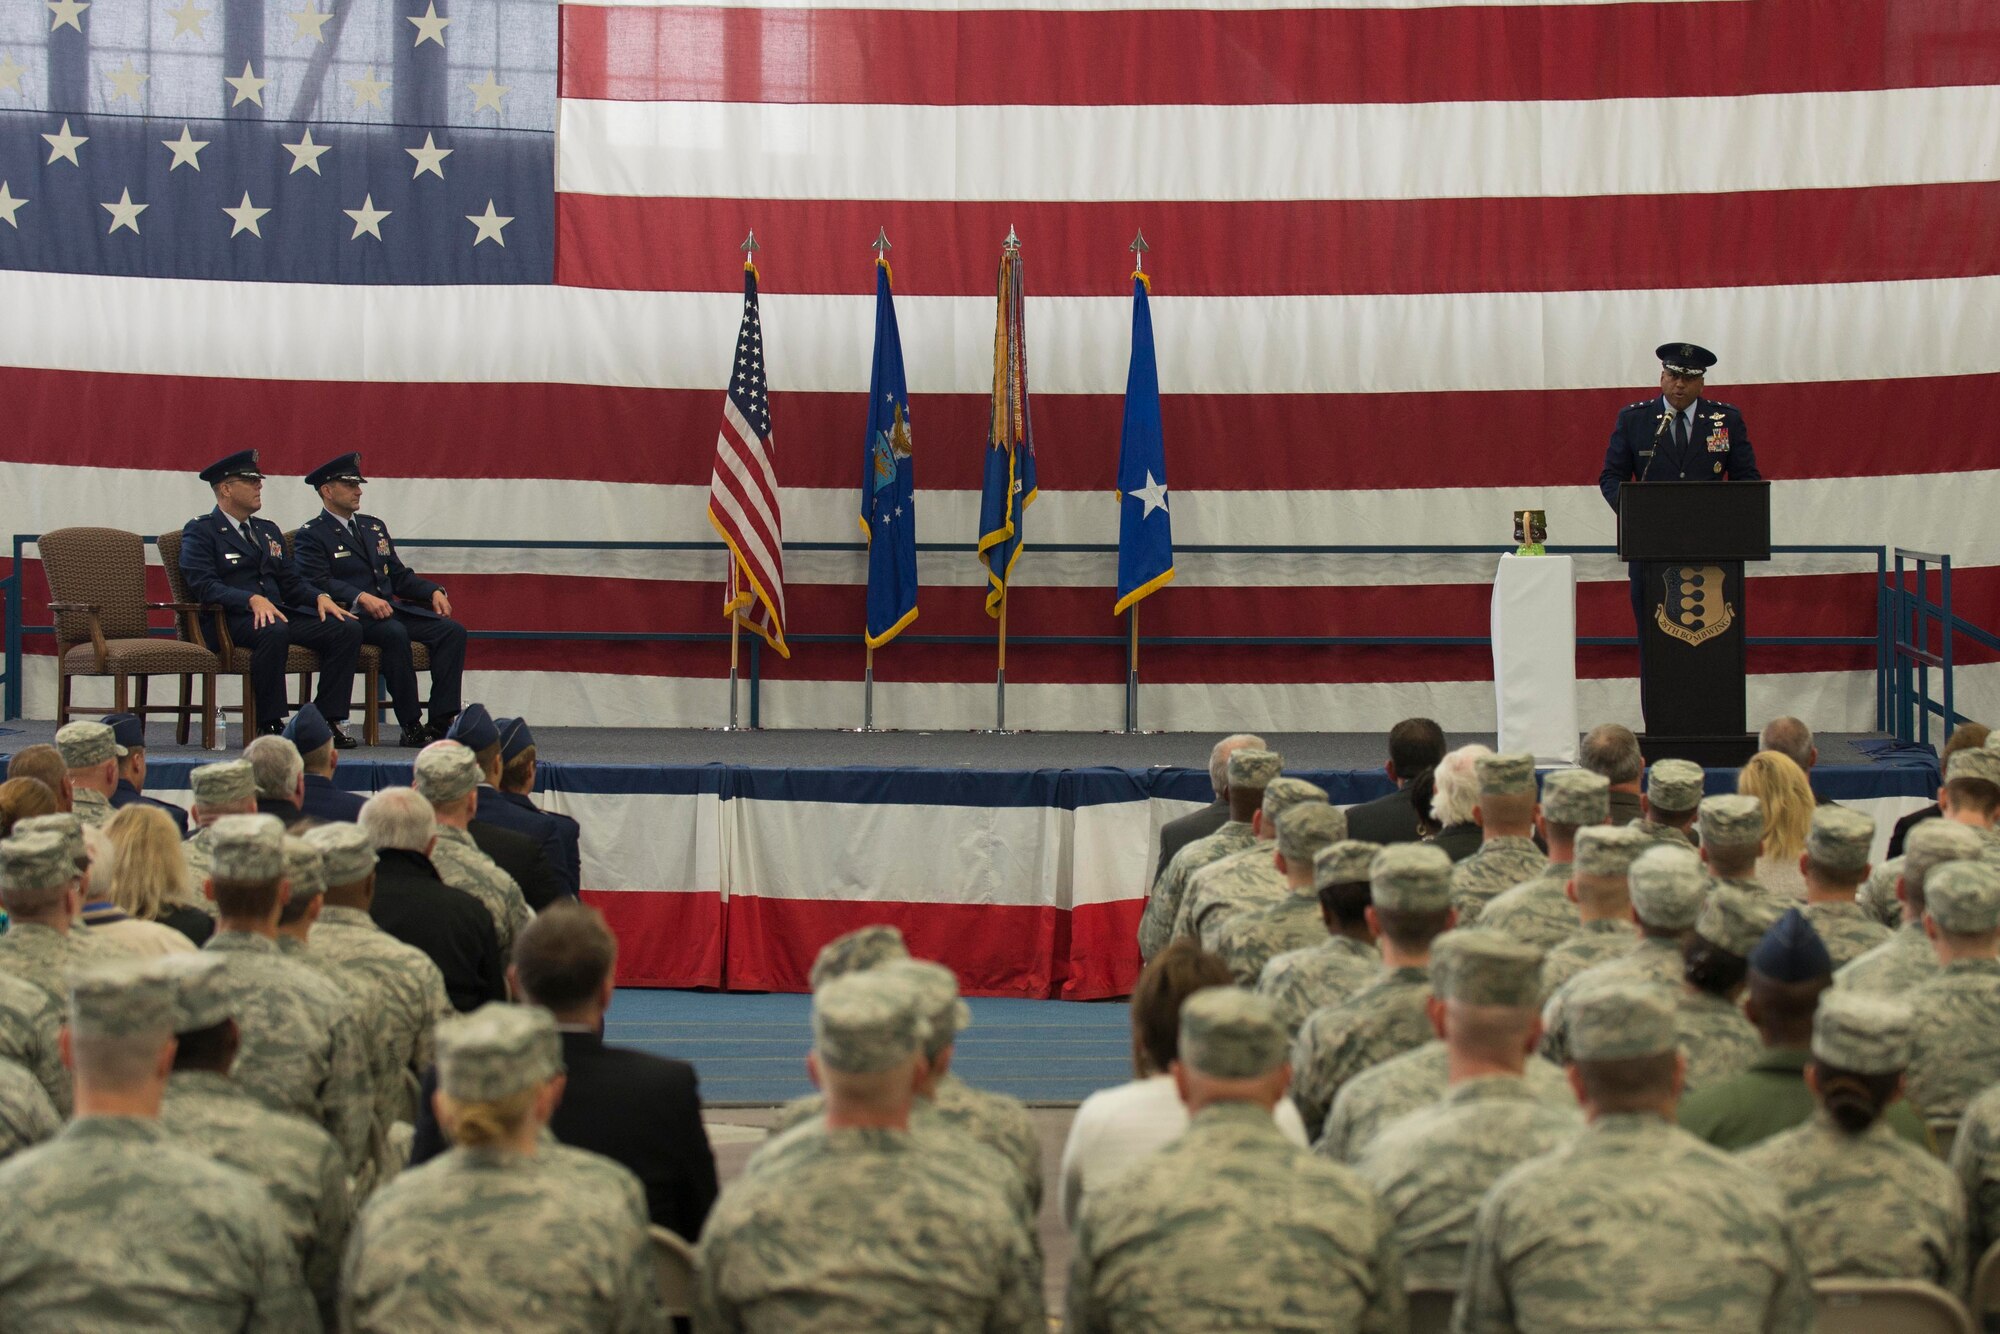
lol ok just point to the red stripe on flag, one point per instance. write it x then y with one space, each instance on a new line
1368 246
1240 57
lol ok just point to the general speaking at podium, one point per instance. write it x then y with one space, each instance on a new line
1678 436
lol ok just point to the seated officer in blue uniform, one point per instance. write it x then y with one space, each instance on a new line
129 731
232 558
507 804
1679 436
321 800
351 556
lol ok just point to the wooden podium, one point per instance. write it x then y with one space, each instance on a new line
1687 542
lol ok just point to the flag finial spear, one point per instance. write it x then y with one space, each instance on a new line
1139 246
881 247
1013 242
750 246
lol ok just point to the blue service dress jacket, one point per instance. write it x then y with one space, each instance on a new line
222 568
330 559
1718 449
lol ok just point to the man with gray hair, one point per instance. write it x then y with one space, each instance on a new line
1505 810
1613 751
1251 938
1454 803
90 751
1906 959
280 774
447 776
1177 833
111 1225
943 1249
1232 1226
411 903
1250 772
1791 738
1248 879
228 787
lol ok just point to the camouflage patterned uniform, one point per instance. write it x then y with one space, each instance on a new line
27 1117
112 1225
782 1250
45 956
1301 981
295 1161
1719 1042
1432 1167
1866 1205
1975 1160
1955 1044
1383 1019
463 866
1163 905
30 1020
198 851
493 1239
1376 1099
302 1050
1846 929
91 806
1896 967
1651 959
1536 912
1498 866
1243 880
1877 895
1661 833
1231 1227
1678 1239
1254 936
1594 943
396 989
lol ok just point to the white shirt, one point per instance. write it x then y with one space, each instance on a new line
1116 1127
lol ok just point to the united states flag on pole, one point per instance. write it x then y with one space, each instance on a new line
743 494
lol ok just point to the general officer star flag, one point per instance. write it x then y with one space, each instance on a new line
1145 528
1010 436
888 486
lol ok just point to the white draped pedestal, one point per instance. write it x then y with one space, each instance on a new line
1534 656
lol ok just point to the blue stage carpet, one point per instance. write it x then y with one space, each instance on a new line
750 1049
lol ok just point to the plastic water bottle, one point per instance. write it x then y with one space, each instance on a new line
221 742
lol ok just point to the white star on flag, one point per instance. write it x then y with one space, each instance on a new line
308 22
126 81
188 19
367 218
487 93
9 206
368 88
11 72
1153 495
430 158
65 13
305 153
430 28
64 144
124 213
245 216
489 225
249 88
186 150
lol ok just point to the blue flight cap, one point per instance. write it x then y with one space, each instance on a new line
346 468
243 463
1684 358
308 730
473 728
514 737
1791 951
127 729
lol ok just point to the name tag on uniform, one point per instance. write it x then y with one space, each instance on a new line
338 552
1645 453
230 555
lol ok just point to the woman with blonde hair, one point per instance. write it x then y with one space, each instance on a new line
148 879
1780 786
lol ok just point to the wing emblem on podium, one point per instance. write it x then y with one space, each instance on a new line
1695 608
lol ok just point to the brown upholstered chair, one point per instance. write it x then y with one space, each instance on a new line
210 630
97 582
369 668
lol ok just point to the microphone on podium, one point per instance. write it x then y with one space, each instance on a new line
1654 453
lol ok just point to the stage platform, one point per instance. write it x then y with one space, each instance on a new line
725 859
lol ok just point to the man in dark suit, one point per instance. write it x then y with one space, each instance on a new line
1415 745
416 907
506 802
1178 833
518 854
320 799
351 556
129 731
636 1109
236 560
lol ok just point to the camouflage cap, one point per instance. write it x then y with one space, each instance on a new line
1731 820
1981 762
85 744
496 1051
1735 921
1867 1034
121 998
868 1022
1933 843
223 784
1792 951
249 848
1674 785
1620 1023
856 952
1477 966
1413 877
1253 770
1963 898
1668 886
36 860
1281 794
1306 828
1609 850
1344 863
1505 775
1840 839
203 997
346 852
65 826
938 1003
446 771
1576 797
304 868
1227 1033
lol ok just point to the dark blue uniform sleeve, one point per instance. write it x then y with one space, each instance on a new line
409 585
299 592
1620 462
1741 465
314 551
201 566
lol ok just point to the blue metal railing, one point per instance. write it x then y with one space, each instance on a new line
1923 634
1882 642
